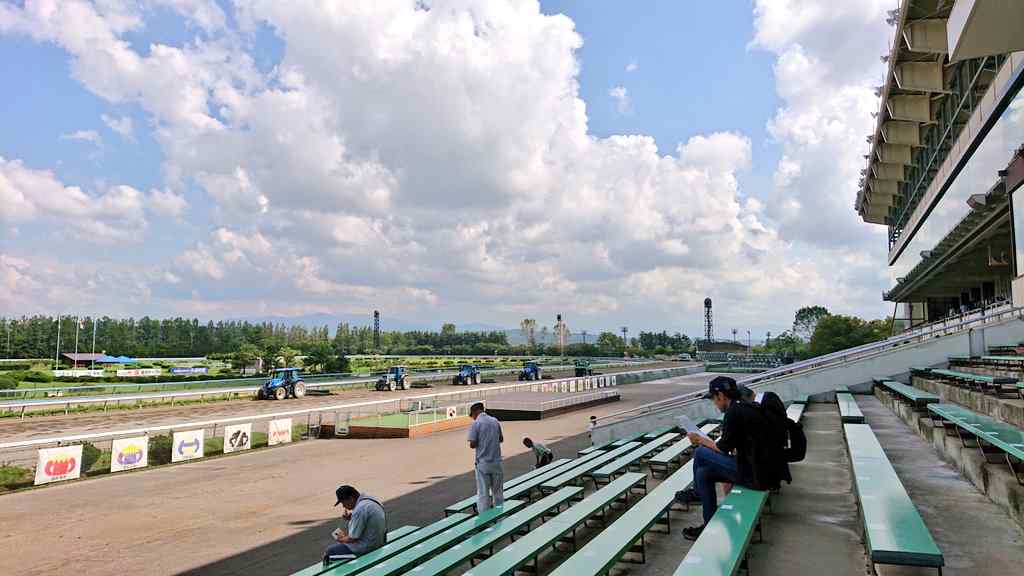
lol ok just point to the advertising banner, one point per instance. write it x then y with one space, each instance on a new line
187 445
279 431
56 464
78 373
129 453
237 437
192 370
139 372
452 412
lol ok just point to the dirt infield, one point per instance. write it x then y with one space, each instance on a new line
268 512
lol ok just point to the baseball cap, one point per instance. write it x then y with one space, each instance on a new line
344 492
722 384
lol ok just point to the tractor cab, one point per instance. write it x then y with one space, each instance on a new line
582 368
530 371
396 378
468 374
283 382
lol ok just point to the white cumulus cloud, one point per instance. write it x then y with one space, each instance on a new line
622 102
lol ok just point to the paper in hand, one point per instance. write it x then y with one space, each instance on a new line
688 425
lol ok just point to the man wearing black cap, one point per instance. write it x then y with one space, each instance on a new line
743 424
367 525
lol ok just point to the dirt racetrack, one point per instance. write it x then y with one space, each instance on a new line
269 512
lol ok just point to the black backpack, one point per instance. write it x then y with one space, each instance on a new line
797 449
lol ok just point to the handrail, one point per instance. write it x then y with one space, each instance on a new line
988 314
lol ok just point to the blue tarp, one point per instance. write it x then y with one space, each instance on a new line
115 360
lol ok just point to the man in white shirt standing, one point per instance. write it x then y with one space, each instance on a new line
485 438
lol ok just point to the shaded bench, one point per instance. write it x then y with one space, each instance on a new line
437 543
576 474
894 532
323 565
998 385
627 439
655 434
917 398
429 561
849 411
470 501
628 532
562 528
662 461
606 473
802 399
596 447
991 436
721 549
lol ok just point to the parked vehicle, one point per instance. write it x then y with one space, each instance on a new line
583 368
530 371
283 382
468 374
396 378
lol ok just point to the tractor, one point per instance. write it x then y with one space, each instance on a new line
468 374
530 371
283 382
583 368
396 378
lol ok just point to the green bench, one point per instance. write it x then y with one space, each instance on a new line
849 411
436 544
992 437
655 434
627 439
917 398
795 411
998 385
526 487
722 547
628 532
894 532
920 370
595 448
470 502
323 565
560 529
577 473
662 461
606 473
431 564
802 399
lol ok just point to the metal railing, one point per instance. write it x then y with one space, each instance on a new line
973 319
23 452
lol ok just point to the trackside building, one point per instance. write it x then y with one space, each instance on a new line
945 166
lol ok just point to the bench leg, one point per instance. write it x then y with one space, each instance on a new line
1016 467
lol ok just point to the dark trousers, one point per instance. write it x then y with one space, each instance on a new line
709 468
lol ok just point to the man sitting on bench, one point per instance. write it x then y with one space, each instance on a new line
747 432
367 526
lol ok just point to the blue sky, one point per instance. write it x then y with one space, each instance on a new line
286 161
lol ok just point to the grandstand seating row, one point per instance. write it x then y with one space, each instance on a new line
999 386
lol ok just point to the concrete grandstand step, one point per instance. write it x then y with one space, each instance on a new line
948 503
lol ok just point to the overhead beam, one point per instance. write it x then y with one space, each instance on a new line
886 171
894 154
919 76
901 132
913 107
927 35
979 28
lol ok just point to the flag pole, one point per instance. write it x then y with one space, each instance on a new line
93 365
56 356
78 328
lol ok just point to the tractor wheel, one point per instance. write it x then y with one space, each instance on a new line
455 381
260 395
299 390
521 377
476 379
391 386
280 393
404 384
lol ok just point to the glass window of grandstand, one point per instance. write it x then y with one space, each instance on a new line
1017 208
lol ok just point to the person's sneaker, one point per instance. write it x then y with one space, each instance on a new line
688 496
693 532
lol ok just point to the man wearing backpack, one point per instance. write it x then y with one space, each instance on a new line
748 452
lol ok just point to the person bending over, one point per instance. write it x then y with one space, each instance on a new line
540 452
367 525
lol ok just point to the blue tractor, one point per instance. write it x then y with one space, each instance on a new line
396 378
530 371
283 382
468 374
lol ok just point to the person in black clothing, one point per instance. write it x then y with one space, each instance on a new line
746 432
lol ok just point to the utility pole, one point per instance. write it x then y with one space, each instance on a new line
376 330
625 340
734 331
56 356
584 336
92 366
78 328
749 347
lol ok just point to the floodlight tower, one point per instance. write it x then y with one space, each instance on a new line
709 329
376 330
